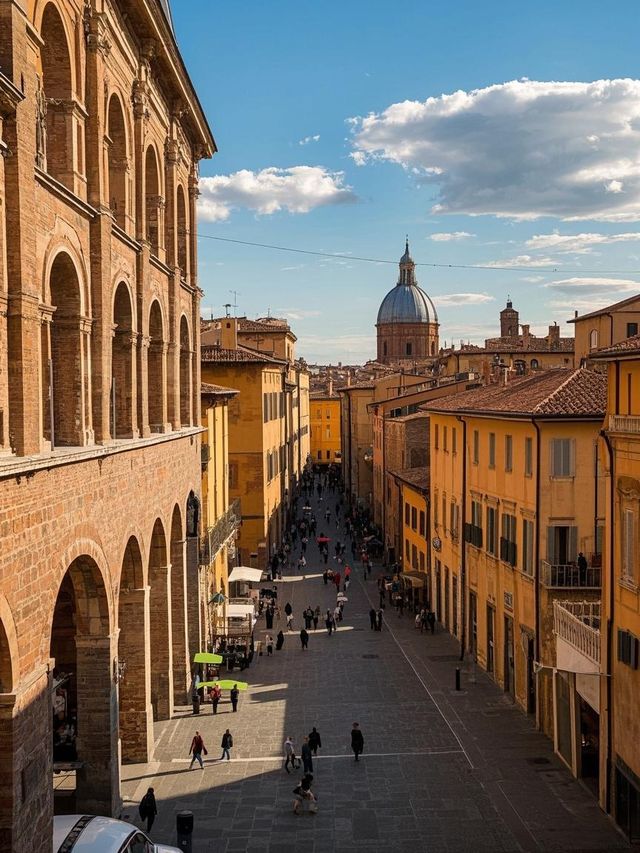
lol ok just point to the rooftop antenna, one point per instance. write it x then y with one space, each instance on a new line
235 294
226 306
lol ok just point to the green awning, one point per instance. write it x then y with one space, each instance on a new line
207 657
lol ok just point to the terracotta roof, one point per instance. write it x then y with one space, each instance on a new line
558 392
416 477
630 346
323 395
414 416
615 307
518 344
357 386
241 354
209 389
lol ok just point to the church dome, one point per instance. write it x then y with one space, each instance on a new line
407 302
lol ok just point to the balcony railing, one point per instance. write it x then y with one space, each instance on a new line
218 534
624 423
569 576
578 623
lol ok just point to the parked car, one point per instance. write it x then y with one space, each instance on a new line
93 834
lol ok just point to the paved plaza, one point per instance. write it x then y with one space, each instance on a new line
442 771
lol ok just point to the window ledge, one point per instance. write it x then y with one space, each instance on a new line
628 583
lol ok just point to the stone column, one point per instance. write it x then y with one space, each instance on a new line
143 390
98 781
161 643
135 715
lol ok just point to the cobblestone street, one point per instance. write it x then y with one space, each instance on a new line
441 770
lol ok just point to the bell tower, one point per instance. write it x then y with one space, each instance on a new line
509 321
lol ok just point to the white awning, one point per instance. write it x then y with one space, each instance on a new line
240 611
245 573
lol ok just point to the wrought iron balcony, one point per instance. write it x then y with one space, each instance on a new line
578 623
624 423
569 576
217 536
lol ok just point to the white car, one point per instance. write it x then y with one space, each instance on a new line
78 833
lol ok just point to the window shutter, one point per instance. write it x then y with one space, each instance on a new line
573 544
572 457
551 543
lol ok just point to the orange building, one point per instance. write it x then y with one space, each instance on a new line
324 411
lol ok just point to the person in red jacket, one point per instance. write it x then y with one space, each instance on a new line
197 748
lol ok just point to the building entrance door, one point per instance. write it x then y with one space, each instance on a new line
473 625
490 615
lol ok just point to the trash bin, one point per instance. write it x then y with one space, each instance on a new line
184 830
195 701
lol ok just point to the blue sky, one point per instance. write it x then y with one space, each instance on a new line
339 131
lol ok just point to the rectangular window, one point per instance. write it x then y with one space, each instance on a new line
436 505
421 525
414 557
492 450
492 531
319 454
265 407
528 457
445 443
453 519
436 437
476 447
407 550
328 454
508 549
444 511
422 561
407 514
628 543
632 329
473 529
527 546
414 518
562 457
508 453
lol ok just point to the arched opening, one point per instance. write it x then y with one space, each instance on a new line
160 627
83 691
408 348
54 135
534 364
156 369
134 715
118 162
64 385
122 365
6 670
181 221
593 339
8 740
185 373
194 626
181 668
152 199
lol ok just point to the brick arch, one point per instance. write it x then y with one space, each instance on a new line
123 398
122 279
57 247
39 11
132 532
185 372
156 366
160 621
179 645
118 158
152 192
9 650
182 227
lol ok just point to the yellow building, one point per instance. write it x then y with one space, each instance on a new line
220 518
606 327
620 644
414 485
258 458
517 496
356 441
325 428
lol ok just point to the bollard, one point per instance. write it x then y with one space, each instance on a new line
457 678
184 830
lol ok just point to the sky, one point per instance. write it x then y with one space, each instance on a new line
503 138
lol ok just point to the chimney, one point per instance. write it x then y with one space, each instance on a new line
229 333
554 337
330 386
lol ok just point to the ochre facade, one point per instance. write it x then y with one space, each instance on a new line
325 429
99 310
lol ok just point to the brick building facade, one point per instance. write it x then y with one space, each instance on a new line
101 133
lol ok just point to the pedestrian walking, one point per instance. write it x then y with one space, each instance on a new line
325 576
305 754
148 808
216 693
357 741
372 619
431 620
304 639
329 622
316 617
304 796
269 642
315 743
379 616
227 743
234 697
288 609
279 641
290 622
289 754
337 614
196 749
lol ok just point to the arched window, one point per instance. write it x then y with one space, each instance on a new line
118 163
593 339
54 138
156 369
64 386
153 201
122 366
534 364
181 222
185 374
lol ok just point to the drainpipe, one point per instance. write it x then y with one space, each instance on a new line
461 529
610 618
536 569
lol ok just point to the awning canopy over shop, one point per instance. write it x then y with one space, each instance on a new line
245 573
415 578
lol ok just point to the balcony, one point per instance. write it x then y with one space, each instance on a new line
576 624
217 536
569 576
624 423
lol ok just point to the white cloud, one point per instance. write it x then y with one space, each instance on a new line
532 279
297 313
298 189
307 139
522 261
449 236
582 287
521 149
578 244
446 300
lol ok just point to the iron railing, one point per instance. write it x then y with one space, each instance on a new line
570 576
578 623
216 536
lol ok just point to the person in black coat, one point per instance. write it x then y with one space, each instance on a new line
279 641
372 618
304 639
357 741
314 741
148 808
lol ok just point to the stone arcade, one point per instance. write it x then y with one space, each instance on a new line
101 133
